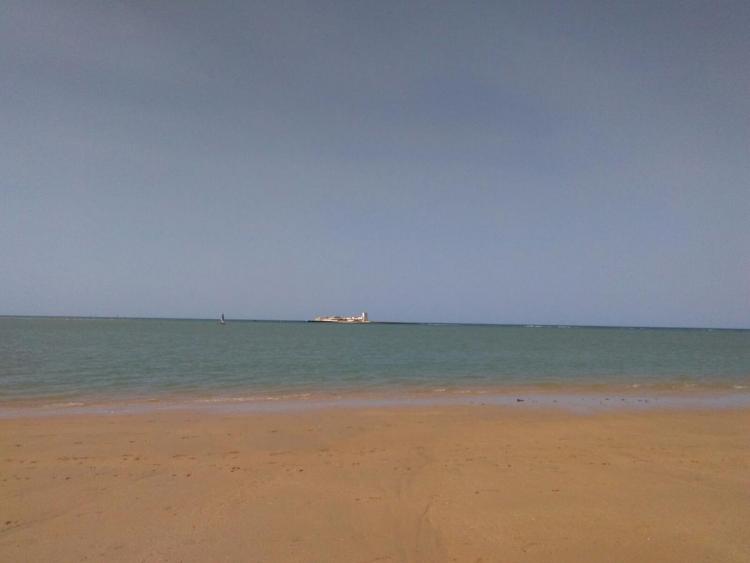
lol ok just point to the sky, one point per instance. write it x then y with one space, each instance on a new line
499 162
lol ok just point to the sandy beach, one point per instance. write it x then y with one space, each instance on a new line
442 483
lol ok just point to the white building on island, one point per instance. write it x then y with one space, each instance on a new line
363 318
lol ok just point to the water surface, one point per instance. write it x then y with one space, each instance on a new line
77 359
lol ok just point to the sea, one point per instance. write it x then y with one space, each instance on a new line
73 362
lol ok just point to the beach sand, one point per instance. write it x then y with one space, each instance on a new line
447 483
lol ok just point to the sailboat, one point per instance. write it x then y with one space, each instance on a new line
221 320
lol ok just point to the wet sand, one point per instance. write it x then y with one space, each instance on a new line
419 483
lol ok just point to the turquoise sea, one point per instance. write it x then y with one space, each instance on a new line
58 360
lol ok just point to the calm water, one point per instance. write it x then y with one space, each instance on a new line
73 359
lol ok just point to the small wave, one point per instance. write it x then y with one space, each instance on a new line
250 398
63 405
233 399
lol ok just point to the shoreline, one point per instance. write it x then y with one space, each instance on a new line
574 398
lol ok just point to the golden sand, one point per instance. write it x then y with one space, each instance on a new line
390 484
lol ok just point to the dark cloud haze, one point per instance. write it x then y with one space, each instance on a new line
562 162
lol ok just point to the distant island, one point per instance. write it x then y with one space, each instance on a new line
360 319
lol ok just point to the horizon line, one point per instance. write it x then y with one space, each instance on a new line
519 325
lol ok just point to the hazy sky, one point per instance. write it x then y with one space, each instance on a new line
530 162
